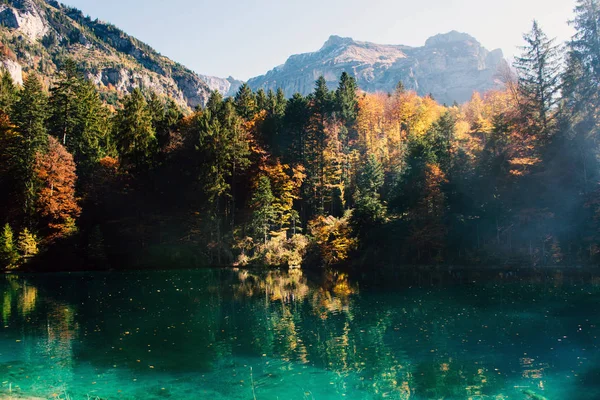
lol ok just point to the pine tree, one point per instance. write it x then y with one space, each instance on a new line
371 177
539 80
322 97
261 100
322 104
135 135
586 42
295 121
8 92
263 213
64 104
346 100
30 115
245 102
581 81
440 137
369 210
8 251
281 102
92 136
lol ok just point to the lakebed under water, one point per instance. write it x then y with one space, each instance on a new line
235 334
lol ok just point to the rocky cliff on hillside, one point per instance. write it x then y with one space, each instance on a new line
227 86
450 67
38 35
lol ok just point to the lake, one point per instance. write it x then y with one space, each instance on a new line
236 334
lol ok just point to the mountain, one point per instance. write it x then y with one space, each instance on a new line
449 66
227 86
38 35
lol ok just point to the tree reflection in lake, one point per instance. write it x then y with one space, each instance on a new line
223 333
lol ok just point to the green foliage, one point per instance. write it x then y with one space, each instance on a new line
8 92
28 245
30 115
263 212
9 255
369 211
539 80
78 117
346 99
134 133
371 177
245 102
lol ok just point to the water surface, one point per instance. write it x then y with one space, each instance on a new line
233 334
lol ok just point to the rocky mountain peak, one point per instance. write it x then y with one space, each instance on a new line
336 41
37 35
449 66
449 38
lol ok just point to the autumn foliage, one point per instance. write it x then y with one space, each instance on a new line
57 201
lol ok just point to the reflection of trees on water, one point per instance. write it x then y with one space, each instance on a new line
44 329
398 345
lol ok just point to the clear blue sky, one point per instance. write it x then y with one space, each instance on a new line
245 38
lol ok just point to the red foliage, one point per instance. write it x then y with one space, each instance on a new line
57 202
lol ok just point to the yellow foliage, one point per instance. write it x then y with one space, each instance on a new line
333 237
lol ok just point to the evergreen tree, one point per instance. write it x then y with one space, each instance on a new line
30 115
64 104
371 177
263 213
369 210
8 250
281 102
261 100
586 42
346 100
92 137
539 79
295 121
322 102
134 132
78 117
581 81
8 92
440 137
245 102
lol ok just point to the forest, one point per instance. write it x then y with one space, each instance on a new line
339 178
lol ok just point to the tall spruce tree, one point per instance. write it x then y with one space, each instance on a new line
582 76
134 132
346 100
8 92
64 104
539 80
245 102
263 213
30 115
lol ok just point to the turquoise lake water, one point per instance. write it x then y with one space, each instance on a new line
233 334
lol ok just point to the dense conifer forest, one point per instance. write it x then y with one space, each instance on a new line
336 178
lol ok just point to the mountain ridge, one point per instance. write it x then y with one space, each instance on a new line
449 66
38 35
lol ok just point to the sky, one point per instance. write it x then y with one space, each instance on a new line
246 38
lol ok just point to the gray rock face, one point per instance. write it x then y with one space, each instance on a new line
24 17
14 68
450 67
44 29
226 86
